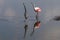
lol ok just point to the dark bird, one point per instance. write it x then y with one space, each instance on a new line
57 18
26 25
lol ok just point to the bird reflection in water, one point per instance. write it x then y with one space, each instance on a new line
25 16
37 23
36 26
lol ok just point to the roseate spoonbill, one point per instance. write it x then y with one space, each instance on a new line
36 26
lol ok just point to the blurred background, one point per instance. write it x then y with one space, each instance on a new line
12 20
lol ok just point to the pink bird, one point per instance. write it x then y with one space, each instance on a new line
37 25
37 9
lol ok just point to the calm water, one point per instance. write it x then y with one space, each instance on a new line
12 20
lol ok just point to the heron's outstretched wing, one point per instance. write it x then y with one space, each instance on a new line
25 27
25 11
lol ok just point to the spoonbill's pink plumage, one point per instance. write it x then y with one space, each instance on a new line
37 9
37 25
